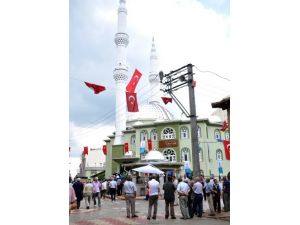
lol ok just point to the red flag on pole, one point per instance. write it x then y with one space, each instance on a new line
126 147
149 144
166 100
225 126
132 105
96 88
193 83
104 148
86 150
134 81
227 149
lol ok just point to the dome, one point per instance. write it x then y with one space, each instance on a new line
151 111
154 155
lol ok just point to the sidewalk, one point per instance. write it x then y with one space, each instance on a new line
114 213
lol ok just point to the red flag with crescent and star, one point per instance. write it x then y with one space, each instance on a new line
86 150
104 148
225 126
132 105
227 149
166 100
134 81
125 147
96 88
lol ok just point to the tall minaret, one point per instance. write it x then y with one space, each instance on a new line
120 72
153 76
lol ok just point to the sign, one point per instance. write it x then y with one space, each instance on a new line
168 143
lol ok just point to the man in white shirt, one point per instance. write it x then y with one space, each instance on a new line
175 182
129 190
198 193
103 189
113 189
183 191
154 191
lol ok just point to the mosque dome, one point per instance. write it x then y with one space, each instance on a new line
154 155
150 111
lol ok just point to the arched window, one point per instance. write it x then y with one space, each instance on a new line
217 134
168 133
200 154
170 155
184 131
227 135
219 154
144 135
199 132
153 135
185 154
132 140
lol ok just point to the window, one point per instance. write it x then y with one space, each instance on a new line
132 140
217 134
185 154
200 154
170 155
199 132
226 135
153 135
219 154
168 133
144 135
184 131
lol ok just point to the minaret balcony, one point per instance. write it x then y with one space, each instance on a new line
121 39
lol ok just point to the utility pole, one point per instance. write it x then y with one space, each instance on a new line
185 75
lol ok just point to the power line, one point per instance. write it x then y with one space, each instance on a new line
208 71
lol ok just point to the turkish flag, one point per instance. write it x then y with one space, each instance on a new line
227 149
96 88
104 148
125 147
225 126
166 100
86 150
134 81
149 144
132 104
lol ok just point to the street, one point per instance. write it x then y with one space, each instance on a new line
114 213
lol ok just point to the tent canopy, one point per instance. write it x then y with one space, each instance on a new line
148 169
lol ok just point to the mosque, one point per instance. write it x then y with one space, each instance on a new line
171 147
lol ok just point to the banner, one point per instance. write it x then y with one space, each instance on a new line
104 148
227 149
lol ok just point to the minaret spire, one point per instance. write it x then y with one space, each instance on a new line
153 76
120 72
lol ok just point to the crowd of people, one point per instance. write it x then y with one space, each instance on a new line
189 193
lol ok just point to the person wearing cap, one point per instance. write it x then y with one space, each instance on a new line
78 188
183 191
129 190
87 193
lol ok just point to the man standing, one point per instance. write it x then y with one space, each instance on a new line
153 196
113 189
175 182
96 191
78 188
169 196
87 192
103 189
209 195
183 191
198 193
129 190
226 194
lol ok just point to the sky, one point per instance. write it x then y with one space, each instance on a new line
185 31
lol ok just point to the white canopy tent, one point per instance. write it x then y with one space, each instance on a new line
149 169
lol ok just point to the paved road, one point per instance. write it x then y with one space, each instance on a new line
114 213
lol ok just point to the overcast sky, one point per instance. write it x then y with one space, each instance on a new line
185 31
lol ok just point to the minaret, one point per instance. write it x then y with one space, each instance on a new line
153 76
120 72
